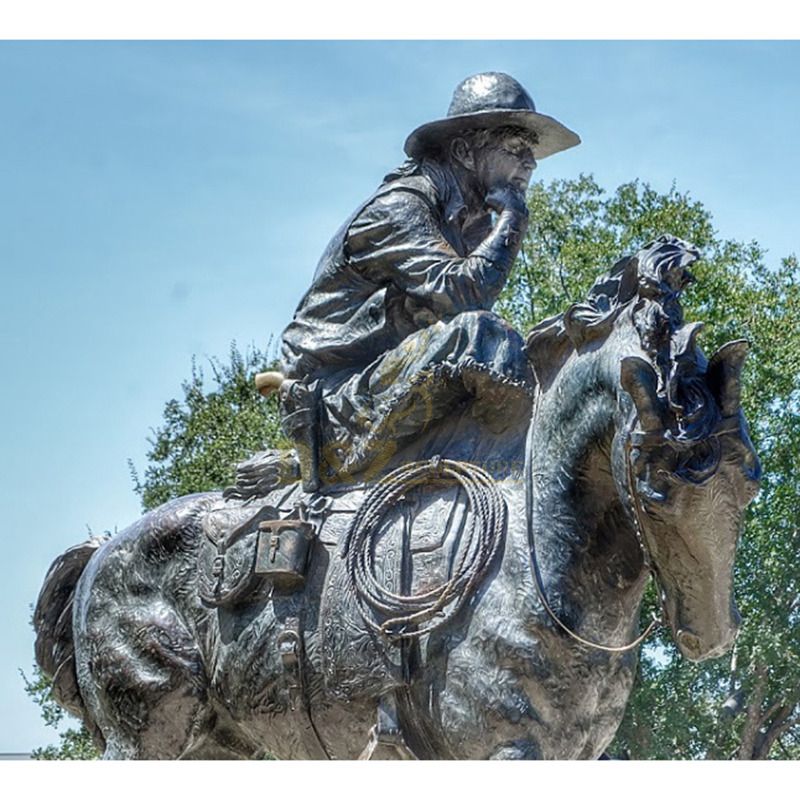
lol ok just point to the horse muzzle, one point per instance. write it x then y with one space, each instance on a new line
717 641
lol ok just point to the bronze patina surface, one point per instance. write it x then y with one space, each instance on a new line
450 562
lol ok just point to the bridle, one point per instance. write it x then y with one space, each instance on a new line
637 525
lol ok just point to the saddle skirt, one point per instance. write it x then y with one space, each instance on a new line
226 562
412 552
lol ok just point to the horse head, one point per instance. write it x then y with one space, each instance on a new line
690 466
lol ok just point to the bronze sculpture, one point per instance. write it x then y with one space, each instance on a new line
400 305
470 590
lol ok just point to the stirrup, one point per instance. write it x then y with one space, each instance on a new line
386 740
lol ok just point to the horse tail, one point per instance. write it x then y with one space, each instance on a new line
52 622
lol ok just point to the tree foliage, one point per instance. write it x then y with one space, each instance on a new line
207 432
747 706
75 744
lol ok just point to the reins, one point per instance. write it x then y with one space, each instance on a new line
537 578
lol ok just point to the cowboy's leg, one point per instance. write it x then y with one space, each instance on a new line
472 340
476 353
494 368
428 374
362 417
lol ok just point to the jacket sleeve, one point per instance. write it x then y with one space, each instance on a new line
396 239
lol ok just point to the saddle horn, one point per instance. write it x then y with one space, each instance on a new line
268 382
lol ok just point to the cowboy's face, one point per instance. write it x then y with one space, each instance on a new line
505 162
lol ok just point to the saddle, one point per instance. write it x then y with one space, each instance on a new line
421 542
380 567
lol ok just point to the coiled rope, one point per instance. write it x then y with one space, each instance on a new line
397 616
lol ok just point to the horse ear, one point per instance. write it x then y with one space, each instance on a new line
724 375
640 381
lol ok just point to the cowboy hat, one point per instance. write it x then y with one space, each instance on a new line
492 100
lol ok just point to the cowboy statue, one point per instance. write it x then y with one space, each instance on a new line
397 325
453 560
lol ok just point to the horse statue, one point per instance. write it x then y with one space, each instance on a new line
477 598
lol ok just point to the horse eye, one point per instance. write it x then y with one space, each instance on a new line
699 463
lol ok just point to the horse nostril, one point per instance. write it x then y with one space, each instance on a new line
752 468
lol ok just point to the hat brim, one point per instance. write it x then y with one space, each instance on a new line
553 137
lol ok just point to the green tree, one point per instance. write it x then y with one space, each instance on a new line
747 706
209 430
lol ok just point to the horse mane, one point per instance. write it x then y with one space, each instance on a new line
651 281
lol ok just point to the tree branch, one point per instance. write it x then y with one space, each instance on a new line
779 725
752 722
767 715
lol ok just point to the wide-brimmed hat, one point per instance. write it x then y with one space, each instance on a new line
492 100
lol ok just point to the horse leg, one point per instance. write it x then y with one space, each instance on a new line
139 663
225 742
149 695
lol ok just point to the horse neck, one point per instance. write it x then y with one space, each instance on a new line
590 562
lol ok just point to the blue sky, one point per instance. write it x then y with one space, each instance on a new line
160 200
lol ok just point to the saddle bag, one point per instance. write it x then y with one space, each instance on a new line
227 557
247 554
284 546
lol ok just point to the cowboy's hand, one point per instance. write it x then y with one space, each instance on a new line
262 473
508 197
